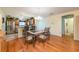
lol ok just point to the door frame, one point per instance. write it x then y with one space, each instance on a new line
63 23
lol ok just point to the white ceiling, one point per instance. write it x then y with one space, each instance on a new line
36 11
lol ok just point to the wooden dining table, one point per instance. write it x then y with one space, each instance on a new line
35 32
35 35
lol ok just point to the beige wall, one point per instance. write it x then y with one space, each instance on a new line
55 22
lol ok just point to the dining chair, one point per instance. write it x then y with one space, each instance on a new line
43 37
30 39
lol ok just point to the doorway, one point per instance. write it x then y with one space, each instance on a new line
68 26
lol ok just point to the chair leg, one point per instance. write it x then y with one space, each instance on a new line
27 45
34 44
24 41
43 44
34 41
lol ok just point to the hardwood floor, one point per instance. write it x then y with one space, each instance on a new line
55 44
